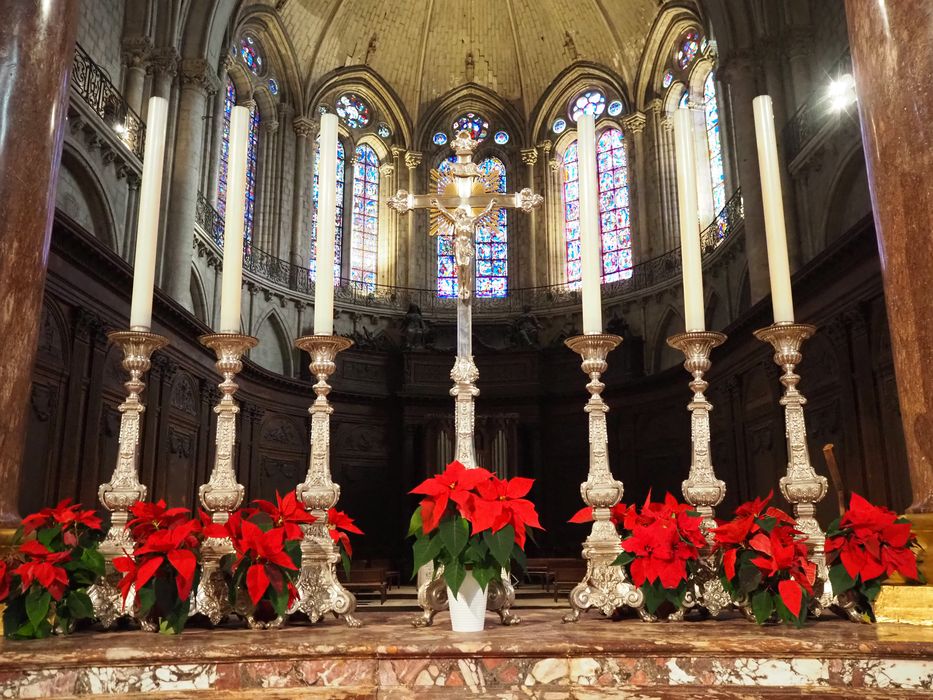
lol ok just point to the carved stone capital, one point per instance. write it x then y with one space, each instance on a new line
554 164
655 107
249 103
304 127
228 62
529 156
634 123
386 169
163 61
413 159
198 73
136 51
268 126
546 146
397 151
737 66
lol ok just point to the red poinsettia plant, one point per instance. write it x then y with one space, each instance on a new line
662 549
765 562
471 520
266 539
864 546
341 526
164 567
45 586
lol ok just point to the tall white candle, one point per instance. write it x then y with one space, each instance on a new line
782 299
147 228
590 244
232 280
326 227
690 255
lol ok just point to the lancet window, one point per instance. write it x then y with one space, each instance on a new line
714 144
252 149
614 213
364 233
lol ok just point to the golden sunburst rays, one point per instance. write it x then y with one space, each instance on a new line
445 184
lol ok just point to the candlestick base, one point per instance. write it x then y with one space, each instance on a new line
802 486
124 488
222 494
319 591
605 586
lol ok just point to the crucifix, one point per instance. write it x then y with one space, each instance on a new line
466 198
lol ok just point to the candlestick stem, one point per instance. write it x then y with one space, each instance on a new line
605 586
124 488
702 489
319 591
801 486
222 494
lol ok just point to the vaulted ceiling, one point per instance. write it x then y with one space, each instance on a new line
425 48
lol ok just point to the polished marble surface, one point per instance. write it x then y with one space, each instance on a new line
539 658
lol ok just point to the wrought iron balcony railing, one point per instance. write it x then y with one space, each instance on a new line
91 83
644 275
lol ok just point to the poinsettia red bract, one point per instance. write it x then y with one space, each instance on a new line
455 484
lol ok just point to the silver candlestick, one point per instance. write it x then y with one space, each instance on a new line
605 586
702 489
802 486
221 495
319 591
124 488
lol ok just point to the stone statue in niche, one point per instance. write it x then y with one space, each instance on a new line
526 329
415 329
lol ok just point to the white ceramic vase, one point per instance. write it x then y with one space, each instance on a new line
468 608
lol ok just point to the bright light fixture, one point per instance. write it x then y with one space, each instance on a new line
841 92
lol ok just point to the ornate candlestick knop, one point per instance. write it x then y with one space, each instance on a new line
605 586
222 494
319 591
702 489
802 486
124 488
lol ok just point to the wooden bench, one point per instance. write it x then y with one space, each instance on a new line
393 575
566 575
365 581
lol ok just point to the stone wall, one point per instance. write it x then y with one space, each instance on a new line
100 28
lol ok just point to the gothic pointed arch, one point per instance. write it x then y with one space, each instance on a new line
670 24
663 355
502 115
267 23
199 297
274 351
81 195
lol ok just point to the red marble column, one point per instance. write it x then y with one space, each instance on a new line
892 52
37 41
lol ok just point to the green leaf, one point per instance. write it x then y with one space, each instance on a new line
416 525
767 523
485 574
94 561
749 578
476 552
454 534
345 560
839 579
519 556
37 606
425 551
624 559
870 591
454 574
654 596
500 544
762 606
146 598
45 535
80 606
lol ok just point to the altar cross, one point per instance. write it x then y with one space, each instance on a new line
471 201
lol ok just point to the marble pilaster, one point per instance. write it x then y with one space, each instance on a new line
891 53
36 53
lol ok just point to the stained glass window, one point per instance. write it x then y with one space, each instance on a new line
249 52
590 102
439 139
338 234
714 143
615 108
491 261
251 152
614 221
475 124
364 232
688 48
559 126
353 111
684 99
273 86
501 137
383 130
667 79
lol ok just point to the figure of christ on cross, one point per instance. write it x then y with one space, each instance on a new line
458 208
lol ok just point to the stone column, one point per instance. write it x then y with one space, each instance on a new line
634 125
738 73
300 248
280 218
402 223
667 162
197 82
387 241
163 65
529 158
797 45
412 161
891 53
36 52
263 221
130 220
554 223
135 58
